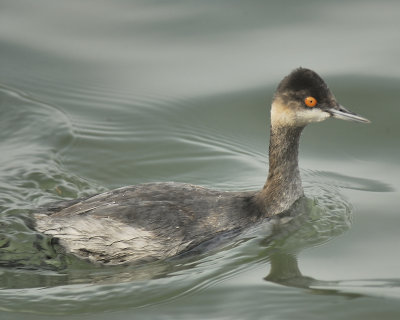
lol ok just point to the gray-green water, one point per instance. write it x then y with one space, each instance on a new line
100 94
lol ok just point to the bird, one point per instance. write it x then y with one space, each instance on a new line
154 221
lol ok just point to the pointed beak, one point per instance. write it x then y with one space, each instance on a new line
341 112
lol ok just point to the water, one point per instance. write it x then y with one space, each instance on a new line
96 94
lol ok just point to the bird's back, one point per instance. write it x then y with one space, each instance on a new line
146 222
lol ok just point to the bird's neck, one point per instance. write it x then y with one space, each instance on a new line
283 186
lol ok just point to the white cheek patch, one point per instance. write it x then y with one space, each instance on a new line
282 115
311 115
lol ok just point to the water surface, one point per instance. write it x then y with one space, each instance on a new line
97 94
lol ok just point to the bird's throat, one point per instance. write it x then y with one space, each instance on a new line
283 186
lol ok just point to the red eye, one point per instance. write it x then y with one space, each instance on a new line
310 102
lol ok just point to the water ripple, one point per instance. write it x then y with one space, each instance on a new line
349 182
33 137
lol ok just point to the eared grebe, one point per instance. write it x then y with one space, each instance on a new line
160 220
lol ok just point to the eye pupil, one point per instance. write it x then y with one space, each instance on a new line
310 102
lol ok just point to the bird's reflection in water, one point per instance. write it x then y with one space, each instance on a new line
305 225
285 271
